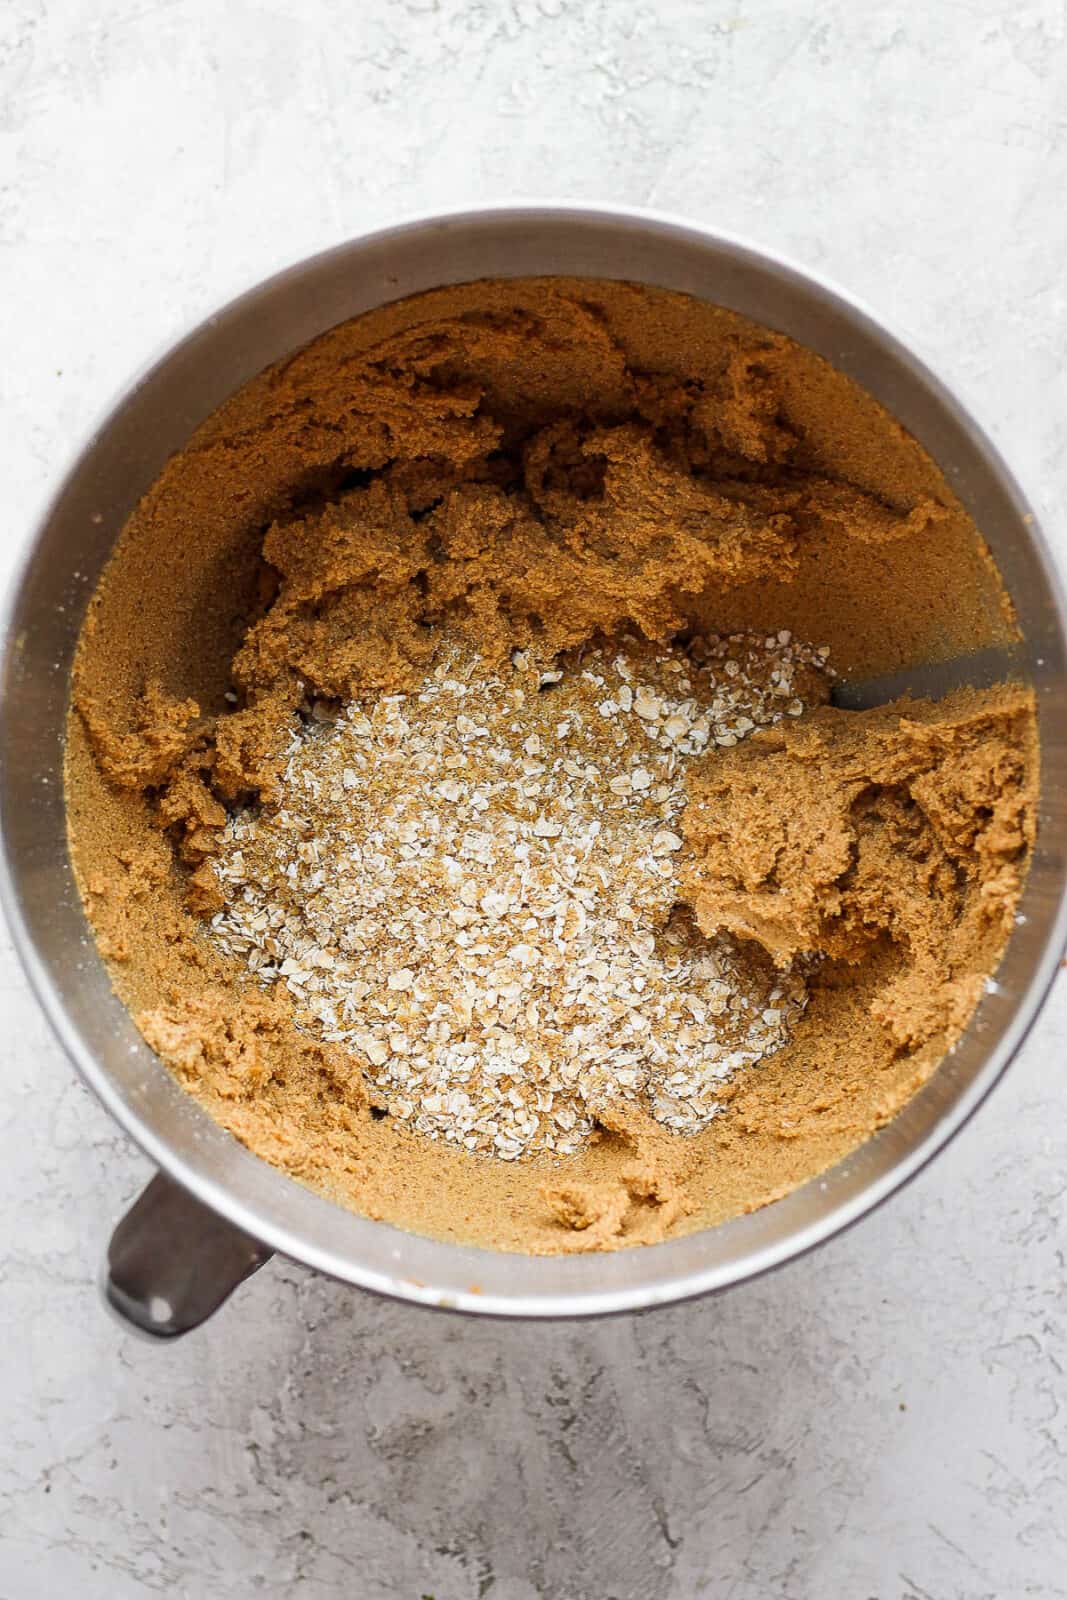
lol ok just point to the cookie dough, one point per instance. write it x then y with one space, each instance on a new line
534 464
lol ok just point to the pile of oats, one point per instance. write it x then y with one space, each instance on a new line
474 888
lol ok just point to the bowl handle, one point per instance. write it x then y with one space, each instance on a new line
172 1261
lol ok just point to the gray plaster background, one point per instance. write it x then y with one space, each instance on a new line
884 1421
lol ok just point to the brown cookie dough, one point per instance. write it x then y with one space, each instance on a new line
906 828
537 463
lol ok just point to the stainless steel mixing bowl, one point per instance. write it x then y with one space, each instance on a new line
216 1211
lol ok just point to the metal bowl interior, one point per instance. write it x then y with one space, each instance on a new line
73 543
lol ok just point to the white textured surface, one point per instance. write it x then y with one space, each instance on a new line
886 1420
